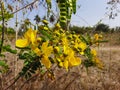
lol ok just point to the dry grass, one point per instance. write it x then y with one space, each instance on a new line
77 78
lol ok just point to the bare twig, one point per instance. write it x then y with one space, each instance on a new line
24 7
72 81
13 82
28 80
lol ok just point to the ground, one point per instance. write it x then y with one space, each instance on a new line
77 78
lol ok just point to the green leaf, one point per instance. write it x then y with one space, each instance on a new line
2 55
8 49
88 63
2 63
3 66
45 35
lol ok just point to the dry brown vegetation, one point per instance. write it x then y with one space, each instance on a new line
77 78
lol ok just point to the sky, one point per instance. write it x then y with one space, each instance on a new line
89 14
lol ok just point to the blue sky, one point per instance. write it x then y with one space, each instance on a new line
89 14
91 11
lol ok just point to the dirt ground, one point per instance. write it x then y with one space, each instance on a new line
77 78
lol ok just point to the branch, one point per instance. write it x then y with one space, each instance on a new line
28 80
24 7
13 82
3 26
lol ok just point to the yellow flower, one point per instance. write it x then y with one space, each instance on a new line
56 49
74 61
64 41
97 37
45 21
82 46
37 51
21 43
57 33
65 49
98 63
39 39
45 60
65 64
76 45
46 50
46 28
57 26
93 52
70 59
61 64
29 37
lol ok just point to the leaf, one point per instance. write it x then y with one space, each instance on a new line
88 63
8 49
10 7
46 35
2 63
4 66
2 55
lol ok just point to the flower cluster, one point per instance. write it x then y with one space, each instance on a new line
57 46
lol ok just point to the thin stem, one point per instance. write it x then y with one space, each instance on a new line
24 7
2 37
13 82
3 26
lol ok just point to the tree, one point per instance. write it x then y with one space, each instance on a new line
102 28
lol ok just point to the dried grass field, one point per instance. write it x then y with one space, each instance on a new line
77 78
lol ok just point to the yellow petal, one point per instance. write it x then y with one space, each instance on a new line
74 61
46 50
83 46
27 34
57 25
82 53
39 39
33 36
37 51
44 46
99 63
21 43
65 64
45 21
93 52
49 50
61 64
46 28
56 49
46 62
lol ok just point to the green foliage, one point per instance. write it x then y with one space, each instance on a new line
7 15
37 19
3 66
81 30
8 30
7 48
31 64
4 17
67 8
102 28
